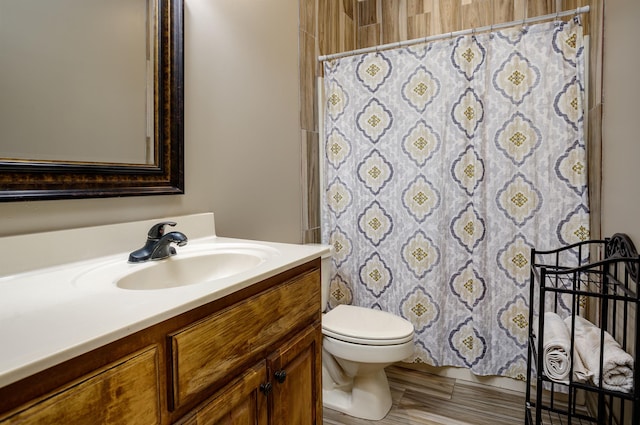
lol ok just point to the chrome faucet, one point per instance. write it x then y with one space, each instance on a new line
158 245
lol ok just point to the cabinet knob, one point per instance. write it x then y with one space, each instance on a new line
280 375
266 388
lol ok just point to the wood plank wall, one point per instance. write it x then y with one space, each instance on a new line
309 50
349 24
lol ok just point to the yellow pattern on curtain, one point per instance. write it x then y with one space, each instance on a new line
445 163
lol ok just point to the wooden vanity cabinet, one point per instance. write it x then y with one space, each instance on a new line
253 357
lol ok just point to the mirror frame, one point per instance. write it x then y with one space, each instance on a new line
23 180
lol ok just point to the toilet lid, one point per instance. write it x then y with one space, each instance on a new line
366 326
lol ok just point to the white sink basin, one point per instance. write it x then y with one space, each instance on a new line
182 271
190 266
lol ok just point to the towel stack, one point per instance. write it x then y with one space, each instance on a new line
617 365
556 348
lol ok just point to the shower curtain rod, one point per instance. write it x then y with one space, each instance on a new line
579 10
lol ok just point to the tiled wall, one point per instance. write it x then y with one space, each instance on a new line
348 24
309 125
332 26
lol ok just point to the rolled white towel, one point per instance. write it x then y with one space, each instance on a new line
556 348
617 366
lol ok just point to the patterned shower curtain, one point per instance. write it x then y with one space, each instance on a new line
444 164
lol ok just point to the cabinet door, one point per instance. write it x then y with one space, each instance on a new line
295 370
126 393
241 402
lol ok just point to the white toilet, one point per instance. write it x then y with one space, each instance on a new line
357 344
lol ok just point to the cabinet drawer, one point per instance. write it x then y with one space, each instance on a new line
217 346
125 392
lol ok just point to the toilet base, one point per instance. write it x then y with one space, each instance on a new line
369 397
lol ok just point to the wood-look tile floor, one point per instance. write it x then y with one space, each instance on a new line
424 399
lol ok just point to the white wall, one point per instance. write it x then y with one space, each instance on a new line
243 87
621 105
242 154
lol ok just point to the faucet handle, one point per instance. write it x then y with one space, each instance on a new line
157 230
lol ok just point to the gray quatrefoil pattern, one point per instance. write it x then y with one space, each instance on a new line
444 164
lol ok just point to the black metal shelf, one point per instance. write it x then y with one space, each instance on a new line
549 417
563 281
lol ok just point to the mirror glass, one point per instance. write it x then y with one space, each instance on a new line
91 101
67 97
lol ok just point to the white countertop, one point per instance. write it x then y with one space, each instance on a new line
47 318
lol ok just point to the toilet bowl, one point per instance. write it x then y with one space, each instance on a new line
357 344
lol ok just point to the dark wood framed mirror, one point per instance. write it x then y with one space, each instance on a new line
30 178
